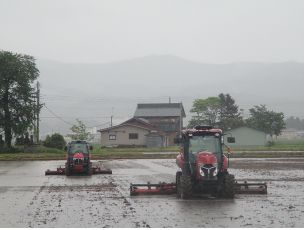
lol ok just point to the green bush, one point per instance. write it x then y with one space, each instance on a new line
11 149
270 143
55 141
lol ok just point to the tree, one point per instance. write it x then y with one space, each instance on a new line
229 117
227 123
228 108
56 141
80 132
295 123
220 112
207 111
269 121
18 105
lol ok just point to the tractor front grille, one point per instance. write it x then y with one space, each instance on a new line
78 161
207 172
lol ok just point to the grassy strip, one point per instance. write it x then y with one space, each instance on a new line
42 153
134 155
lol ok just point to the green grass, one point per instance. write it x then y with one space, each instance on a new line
42 153
279 145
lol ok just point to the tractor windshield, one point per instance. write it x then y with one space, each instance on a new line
204 143
78 148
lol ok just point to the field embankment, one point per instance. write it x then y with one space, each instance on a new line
278 149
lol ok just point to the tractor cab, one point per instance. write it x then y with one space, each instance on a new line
201 146
205 146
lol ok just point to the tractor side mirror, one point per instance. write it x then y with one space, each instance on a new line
231 139
66 148
177 140
91 147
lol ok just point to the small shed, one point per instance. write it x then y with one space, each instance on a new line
156 140
246 136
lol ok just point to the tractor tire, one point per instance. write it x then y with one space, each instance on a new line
228 189
186 187
89 169
67 170
178 183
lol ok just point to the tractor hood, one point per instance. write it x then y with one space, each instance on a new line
78 160
207 166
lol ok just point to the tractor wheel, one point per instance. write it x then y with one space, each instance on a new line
228 190
67 170
89 169
186 186
178 183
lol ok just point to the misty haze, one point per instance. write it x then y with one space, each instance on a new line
99 59
92 92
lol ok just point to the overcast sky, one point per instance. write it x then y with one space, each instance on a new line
206 31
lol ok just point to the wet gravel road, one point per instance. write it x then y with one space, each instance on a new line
28 198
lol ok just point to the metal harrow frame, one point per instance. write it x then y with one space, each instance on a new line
161 188
250 188
95 170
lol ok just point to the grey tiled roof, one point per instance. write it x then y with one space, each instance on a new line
160 110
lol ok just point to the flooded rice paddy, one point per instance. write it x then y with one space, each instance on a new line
31 199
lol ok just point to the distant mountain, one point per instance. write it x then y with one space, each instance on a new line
68 88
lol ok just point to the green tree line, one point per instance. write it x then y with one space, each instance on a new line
222 112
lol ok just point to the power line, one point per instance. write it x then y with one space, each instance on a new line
57 116
69 122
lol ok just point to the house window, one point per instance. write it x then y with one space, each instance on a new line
112 137
133 136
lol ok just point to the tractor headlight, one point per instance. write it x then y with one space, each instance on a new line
216 169
201 166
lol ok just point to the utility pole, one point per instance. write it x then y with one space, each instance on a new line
37 137
112 116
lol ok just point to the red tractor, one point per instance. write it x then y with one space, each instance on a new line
78 158
203 164
78 161
203 169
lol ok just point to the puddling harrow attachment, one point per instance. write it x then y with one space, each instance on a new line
153 189
250 188
95 170
170 188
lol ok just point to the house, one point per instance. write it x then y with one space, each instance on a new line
246 136
167 117
288 134
135 132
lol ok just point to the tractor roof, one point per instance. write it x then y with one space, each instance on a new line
203 132
78 142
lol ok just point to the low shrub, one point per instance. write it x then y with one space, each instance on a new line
11 149
270 144
55 141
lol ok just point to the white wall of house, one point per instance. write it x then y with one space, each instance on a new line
287 134
122 136
246 136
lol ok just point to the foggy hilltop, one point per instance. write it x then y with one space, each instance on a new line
95 92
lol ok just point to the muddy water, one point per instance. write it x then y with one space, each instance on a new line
28 198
